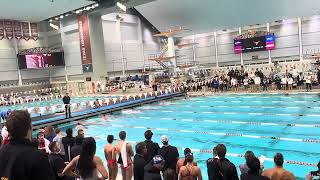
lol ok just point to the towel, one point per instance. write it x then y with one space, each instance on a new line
124 154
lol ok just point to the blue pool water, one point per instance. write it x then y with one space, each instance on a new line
241 122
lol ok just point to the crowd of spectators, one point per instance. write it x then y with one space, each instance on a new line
53 156
235 80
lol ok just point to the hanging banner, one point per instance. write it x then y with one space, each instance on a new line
85 47
8 26
34 31
25 30
1 29
17 30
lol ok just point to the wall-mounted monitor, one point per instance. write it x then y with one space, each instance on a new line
38 61
253 44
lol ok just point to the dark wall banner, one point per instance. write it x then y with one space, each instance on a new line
85 46
17 30
34 31
8 26
1 29
25 31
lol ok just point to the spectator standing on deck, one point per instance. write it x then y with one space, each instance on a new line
189 170
254 170
219 167
170 155
139 161
87 164
308 80
125 152
76 149
278 171
66 101
19 160
56 161
68 143
152 147
111 155
58 139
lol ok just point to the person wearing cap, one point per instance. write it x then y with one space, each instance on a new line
182 161
152 147
278 171
313 174
189 170
111 155
170 155
153 168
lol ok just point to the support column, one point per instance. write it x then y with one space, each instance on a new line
171 51
63 45
216 49
194 48
241 56
17 52
300 39
142 44
269 51
118 26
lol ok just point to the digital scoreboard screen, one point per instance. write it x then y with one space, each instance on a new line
253 44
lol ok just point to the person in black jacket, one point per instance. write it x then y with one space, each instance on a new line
219 167
19 160
170 155
153 168
254 171
76 149
152 147
66 101
68 143
139 161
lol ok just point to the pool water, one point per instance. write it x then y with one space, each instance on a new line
263 123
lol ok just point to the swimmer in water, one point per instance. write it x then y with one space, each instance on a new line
104 117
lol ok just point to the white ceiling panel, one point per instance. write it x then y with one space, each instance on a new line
210 15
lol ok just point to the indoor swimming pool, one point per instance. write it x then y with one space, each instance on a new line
263 123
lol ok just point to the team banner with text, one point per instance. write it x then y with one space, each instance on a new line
85 46
25 30
8 25
17 30
34 31
1 29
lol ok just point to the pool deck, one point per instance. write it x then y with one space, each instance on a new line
42 121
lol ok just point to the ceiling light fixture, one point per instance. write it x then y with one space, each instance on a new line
78 11
121 6
61 17
50 20
54 26
56 18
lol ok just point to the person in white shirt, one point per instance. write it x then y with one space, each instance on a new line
308 79
234 84
290 83
257 82
284 82
58 139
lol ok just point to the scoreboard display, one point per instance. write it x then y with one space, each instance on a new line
260 43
